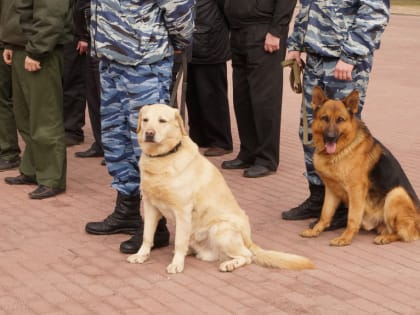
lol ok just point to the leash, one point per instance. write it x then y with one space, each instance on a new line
181 74
296 83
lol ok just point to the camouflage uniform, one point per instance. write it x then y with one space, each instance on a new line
135 42
330 30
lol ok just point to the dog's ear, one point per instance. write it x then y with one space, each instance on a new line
139 119
318 98
352 102
180 122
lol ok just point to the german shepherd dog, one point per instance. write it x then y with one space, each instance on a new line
359 171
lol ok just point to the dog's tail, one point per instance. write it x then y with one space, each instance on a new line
274 259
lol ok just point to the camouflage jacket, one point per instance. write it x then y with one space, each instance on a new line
346 29
135 32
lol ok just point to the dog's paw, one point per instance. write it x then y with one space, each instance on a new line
310 233
382 240
137 259
175 268
340 241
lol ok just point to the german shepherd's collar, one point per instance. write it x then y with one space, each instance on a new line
175 149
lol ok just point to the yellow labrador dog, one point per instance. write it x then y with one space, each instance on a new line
182 185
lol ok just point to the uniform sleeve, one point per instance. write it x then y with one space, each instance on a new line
43 23
282 15
179 21
295 40
364 35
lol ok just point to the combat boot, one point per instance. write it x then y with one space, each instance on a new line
125 218
161 239
310 208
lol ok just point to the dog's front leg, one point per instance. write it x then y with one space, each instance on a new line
151 218
331 202
357 204
182 239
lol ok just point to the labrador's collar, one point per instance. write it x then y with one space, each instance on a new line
166 153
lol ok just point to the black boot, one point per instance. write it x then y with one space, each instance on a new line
338 221
125 218
161 239
310 208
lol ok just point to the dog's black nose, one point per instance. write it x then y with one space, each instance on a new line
149 136
330 137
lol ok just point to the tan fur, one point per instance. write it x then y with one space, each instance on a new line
345 175
186 188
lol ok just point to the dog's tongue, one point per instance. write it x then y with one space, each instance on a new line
330 147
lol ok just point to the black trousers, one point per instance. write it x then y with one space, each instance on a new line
93 96
208 106
74 91
257 95
81 83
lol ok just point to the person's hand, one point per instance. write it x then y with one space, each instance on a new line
82 47
294 55
8 56
32 65
343 70
272 43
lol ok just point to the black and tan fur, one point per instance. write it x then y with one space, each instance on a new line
359 171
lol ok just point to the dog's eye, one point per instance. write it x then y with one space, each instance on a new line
145 119
340 120
161 120
325 118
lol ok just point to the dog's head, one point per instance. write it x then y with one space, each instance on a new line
334 124
160 129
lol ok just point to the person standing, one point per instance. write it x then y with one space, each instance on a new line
258 41
207 99
9 145
35 34
135 42
81 17
339 41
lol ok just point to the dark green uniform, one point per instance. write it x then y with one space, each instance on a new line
9 148
38 29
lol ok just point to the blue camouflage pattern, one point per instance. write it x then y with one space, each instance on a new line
345 29
329 30
125 89
133 32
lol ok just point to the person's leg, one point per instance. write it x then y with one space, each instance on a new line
9 146
46 124
93 96
74 90
242 103
195 115
265 76
147 85
116 138
39 113
212 100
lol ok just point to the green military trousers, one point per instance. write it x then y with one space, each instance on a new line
38 107
9 147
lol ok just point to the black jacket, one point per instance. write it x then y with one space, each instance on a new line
211 34
81 19
276 13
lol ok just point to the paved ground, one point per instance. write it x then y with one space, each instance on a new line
48 265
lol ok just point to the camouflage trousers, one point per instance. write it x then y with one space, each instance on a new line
124 90
319 71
